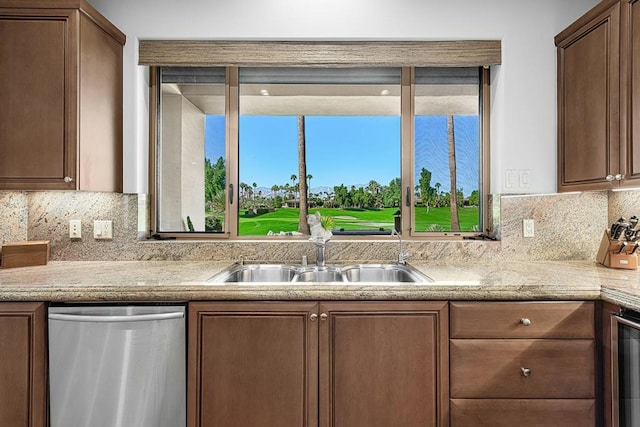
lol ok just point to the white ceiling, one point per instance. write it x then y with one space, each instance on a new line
329 100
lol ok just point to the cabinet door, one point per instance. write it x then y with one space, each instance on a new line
383 364
22 370
252 364
630 106
100 138
588 101
37 117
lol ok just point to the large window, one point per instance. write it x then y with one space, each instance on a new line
325 140
447 147
191 150
249 151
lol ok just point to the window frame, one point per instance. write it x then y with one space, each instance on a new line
484 177
157 53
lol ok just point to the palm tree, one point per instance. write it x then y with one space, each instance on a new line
453 201
373 187
274 190
244 187
303 226
253 192
309 178
311 197
293 179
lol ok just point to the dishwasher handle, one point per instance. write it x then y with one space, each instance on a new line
112 319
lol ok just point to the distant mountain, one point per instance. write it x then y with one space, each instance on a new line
266 192
322 189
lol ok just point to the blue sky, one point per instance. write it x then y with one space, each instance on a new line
432 150
346 150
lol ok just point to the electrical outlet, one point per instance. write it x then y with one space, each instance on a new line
102 230
527 228
75 229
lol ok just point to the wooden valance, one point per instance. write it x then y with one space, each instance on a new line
458 53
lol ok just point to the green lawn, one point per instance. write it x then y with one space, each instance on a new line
286 219
468 218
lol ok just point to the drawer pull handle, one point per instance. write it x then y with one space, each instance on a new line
313 317
526 372
324 316
525 321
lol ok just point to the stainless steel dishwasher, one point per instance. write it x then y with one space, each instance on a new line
117 366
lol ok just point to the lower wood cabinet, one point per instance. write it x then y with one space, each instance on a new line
23 365
607 310
526 368
523 412
290 364
525 364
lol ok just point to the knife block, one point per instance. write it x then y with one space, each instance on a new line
610 255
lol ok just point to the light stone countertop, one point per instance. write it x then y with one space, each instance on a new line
186 281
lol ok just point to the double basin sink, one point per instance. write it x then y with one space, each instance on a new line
290 273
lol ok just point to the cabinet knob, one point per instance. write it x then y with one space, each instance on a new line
68 179
610 178
525 321
526 372
619 177
324 317
313 317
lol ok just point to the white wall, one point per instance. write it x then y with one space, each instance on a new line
182 186
524 86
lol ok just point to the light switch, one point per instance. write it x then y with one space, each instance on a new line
102 230
525 178
511 178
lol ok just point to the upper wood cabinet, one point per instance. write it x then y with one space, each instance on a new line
61 86
630 84
598 91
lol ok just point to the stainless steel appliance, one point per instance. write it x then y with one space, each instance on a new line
117 366
625 362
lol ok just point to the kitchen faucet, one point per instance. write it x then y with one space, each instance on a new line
402 256
320 236
321 246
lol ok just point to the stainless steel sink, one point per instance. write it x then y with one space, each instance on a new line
256 273
319 274
289 273
383 273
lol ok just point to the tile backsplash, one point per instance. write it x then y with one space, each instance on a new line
567 227
13 216
624 203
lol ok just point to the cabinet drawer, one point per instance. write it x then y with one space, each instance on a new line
492 369
507 320
523 413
